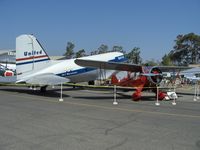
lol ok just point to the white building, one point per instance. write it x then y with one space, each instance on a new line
7 55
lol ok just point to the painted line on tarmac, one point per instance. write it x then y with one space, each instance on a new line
107 107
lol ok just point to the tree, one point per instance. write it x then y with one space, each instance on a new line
134 56
94 52
151 62
166 60
117 49
103 49
80 53
186 49
69 50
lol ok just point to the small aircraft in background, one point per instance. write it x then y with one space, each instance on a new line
145 78
7 69
192 74
34 66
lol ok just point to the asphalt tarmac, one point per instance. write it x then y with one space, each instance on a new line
88 120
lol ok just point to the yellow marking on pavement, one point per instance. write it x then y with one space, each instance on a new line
108 108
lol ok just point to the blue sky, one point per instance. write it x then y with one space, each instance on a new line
151 25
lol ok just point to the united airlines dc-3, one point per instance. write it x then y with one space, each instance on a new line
34 66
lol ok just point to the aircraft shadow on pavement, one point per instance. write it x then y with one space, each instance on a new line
143 98
181 93
102 96
48 93
56 93
95 98
120 96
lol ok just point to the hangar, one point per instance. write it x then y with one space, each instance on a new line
7 56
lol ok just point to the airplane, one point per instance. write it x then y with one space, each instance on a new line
192 79
33 65
7 69
191 74
146 78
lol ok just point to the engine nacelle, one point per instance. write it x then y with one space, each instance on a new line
155 75
6 73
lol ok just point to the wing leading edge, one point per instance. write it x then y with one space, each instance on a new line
108 65
124 66
172 68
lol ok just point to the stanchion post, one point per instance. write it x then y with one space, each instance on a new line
115 96
174 100
195 92
61 99
157 102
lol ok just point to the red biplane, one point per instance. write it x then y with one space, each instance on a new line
149 76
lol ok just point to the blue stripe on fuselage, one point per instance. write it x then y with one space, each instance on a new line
119 59
75 72
86 70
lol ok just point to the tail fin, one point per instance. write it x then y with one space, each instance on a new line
30 56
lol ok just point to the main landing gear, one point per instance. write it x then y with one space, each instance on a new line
91 82
43 89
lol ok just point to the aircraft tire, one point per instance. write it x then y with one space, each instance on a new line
91 82
43 89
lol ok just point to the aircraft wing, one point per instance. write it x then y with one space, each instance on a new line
47 79
172 68
124 66
108 65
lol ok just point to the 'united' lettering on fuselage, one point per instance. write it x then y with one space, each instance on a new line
33 53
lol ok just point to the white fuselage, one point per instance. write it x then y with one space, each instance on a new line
34 66
72 71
